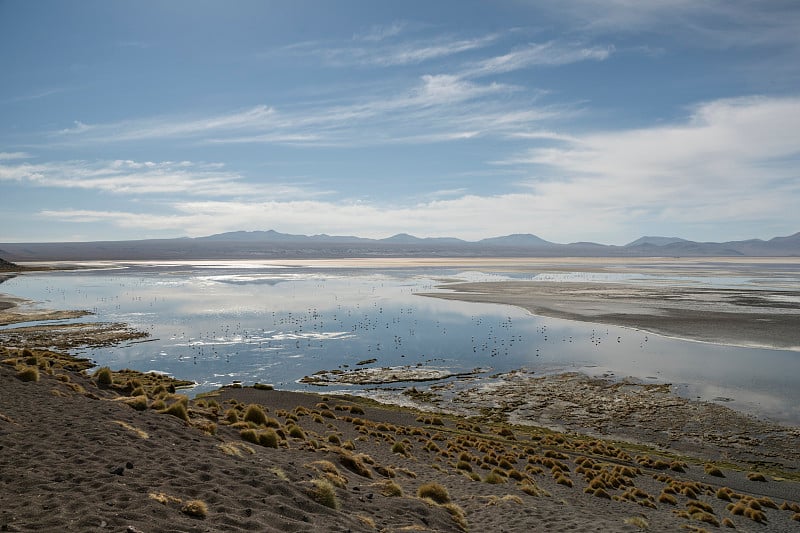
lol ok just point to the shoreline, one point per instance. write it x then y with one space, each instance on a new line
734 317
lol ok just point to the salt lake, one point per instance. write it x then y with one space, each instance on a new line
271 322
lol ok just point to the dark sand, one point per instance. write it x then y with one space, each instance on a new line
79 462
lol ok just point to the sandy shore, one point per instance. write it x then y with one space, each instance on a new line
744 317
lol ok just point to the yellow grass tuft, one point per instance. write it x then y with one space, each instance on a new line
28 373
323 492
103 376
178 410
195 509
136 431
163 498
235 448
435 492
638 521
255 414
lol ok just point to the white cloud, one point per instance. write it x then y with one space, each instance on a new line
732 160
146 177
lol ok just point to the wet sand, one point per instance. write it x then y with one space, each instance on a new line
742 317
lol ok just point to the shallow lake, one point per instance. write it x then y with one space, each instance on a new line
219 322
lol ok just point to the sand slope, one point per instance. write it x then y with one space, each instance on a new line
77 462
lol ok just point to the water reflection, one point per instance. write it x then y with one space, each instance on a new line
217 322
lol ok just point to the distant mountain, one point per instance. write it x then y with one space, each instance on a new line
655 241
517 239
274 236
274 245
405 238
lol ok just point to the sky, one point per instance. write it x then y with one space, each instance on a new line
574 120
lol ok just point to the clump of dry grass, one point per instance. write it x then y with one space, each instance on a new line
195 509
435 492
268 438
137 402
638 521
103 377
255 414
457 513
231 416
177 409
133 429
354 463
163 498
324 493
713 470
249 435
400 448
391 489
235 448
756 476
28 373
296 432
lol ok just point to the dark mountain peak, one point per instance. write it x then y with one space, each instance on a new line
402 238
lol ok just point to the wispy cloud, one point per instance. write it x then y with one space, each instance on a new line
10 156
388 54
379 32
146 178
37 95
541 54
437 107
165 127
713 23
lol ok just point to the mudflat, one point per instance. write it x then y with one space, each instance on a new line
737 316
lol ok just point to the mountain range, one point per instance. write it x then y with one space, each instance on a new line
274 245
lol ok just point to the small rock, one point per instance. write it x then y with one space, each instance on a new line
119 470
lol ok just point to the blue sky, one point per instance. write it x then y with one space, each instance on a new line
570 119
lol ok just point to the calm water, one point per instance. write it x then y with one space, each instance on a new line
218 322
